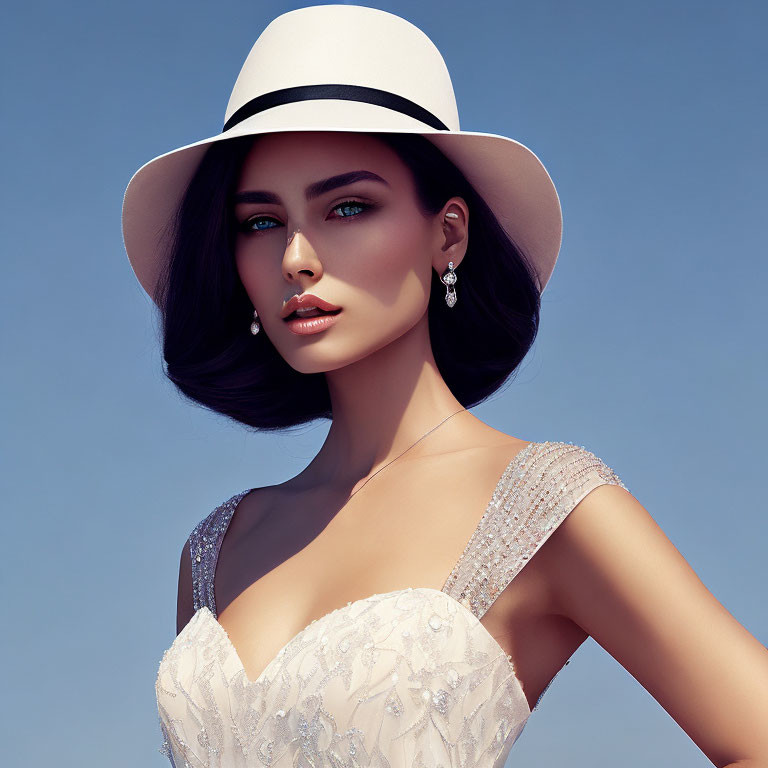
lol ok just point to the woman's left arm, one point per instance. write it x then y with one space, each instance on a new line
620 578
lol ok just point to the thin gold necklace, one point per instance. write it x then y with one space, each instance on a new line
405 451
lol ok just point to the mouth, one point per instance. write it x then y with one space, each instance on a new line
302 314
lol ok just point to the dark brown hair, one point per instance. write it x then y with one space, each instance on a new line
215 361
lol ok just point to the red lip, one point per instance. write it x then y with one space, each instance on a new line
306 300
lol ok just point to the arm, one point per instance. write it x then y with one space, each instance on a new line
620 578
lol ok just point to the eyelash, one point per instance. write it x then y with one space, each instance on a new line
245 226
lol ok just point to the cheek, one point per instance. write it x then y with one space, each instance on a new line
391 265
255 274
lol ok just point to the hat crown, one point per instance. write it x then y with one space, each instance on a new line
351 45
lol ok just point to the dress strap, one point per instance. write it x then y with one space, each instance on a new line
204 545
532 498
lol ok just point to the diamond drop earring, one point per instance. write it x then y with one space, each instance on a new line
449 280
255 327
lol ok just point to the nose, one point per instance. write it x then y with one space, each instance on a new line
300 258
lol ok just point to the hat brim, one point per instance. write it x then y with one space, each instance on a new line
507 174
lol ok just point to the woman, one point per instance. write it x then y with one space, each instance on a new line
342 250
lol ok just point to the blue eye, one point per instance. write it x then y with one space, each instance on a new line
350 208
246 226
349 205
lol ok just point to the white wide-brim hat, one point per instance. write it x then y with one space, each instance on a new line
350 68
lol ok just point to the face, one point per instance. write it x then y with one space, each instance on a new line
361 243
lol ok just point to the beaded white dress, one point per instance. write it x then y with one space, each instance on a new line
403 679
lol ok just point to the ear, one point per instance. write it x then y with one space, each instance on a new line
452 234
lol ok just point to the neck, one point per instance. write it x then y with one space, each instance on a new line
382 404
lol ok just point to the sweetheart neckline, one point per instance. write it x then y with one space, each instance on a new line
248 682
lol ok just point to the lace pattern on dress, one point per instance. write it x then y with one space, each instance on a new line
403 679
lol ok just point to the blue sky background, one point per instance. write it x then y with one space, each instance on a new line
650 116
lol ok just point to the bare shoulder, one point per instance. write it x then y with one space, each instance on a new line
589 539
489 452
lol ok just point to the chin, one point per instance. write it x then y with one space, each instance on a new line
316 361
323 358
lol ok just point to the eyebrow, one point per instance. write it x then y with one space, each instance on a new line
313 190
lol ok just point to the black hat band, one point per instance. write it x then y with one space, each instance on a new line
335 91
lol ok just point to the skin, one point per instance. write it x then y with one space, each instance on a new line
608 571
